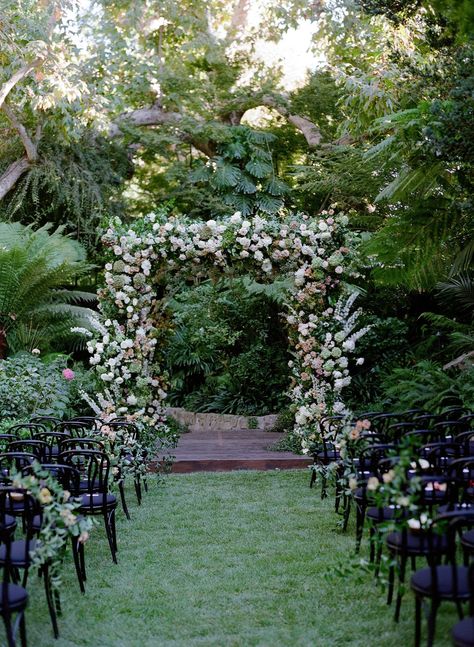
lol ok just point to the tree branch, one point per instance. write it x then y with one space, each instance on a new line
156 116
30 147
153 116
23 72
308 129
8 86
12 174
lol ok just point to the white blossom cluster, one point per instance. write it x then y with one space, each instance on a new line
317 253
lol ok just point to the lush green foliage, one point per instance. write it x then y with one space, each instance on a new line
427 386
384 347
37 306
229 351
30 386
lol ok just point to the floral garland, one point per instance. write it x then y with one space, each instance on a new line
318 253
59 520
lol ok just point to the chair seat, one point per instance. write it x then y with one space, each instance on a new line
378 515
421 582
415 543
463 633
362 494
16 597
8 523
454 509
19 555
84 485
467 540
330 455
97 501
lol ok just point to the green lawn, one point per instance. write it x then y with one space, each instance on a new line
242 558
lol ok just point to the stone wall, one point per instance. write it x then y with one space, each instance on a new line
220 421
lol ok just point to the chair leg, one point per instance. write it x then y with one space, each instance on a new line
360 518
324 486
50 600
24 581
77 564
114 530
432 622
337 500
7 621
122 498
372 540
312 480
417 621
110 538
378 556
82 562
347 512
23 630
391 579
460 609
138 490
401 582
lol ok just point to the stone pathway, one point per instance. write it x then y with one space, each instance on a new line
219 451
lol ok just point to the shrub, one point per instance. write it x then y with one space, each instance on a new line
229 350
383 347
426 385
30 386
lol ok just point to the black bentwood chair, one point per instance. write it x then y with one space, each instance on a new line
18 502
13 598
93 489
441 582
463 631
327 452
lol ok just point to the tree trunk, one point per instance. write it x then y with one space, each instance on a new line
12 174
3 343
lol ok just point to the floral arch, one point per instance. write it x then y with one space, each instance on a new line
318 254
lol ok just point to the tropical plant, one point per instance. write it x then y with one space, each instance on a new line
384 347
229 351
243 173
37 306
426 385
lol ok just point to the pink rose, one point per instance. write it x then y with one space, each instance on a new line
68 374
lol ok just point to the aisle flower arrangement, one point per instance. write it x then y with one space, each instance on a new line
60 520
320 254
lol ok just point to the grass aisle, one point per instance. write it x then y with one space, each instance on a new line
225 560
